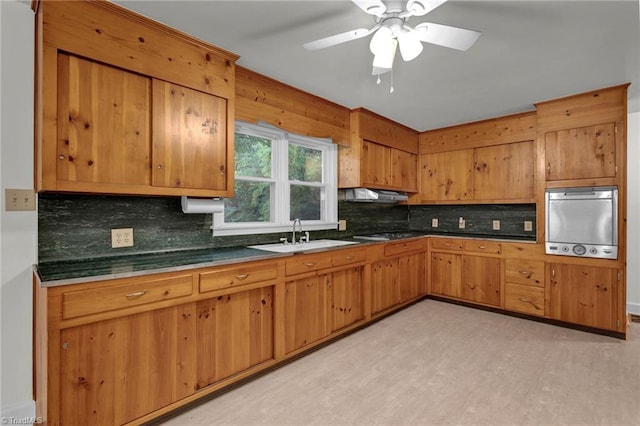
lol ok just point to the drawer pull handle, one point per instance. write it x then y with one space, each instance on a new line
242 276
524 299
447 244
349 257
524 272
135 294
481 247
311 264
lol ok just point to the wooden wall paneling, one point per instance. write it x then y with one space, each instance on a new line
374 127
495 131
584 109
259 98
106 32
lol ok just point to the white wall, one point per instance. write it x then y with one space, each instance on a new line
633 213
18 230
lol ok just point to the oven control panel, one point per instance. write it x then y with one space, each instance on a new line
582 250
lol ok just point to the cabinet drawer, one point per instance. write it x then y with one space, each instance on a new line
446 244
394 249
307 263
119 296
230 277
525 299
483 246
347 257
526 272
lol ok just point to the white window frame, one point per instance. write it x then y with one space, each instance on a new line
280 194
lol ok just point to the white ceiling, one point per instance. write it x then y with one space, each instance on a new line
529 51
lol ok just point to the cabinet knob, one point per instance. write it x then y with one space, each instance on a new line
159 166
135 294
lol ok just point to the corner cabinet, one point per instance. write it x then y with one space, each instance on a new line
115 116
382 154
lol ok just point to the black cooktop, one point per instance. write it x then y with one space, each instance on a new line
386 236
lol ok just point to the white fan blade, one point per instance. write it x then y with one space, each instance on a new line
338 38
422 7
444 35
372 7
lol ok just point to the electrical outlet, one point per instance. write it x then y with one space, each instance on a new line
461 223
19 200
122 237
342 225
528 225
434 222
496 225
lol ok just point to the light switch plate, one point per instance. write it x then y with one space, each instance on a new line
342 225
528 225
461 223
434 222
19 200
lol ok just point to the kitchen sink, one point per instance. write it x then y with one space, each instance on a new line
301 247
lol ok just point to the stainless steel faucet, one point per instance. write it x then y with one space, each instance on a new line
293 236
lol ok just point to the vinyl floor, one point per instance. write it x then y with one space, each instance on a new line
436 363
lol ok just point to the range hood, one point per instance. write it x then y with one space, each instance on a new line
367 195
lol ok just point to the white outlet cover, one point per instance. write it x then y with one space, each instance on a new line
496 225
434 222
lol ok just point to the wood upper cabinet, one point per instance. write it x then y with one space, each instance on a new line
585 295
382 154
446 176
504 172
126 105
582 138
581 153
104 134
189 138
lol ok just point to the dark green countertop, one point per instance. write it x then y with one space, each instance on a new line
78 271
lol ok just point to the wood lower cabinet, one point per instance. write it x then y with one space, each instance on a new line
525 286
346 297
585 295
306 313
398 279
446 274
233 333
115 371
480 280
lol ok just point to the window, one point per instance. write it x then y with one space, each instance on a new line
279 177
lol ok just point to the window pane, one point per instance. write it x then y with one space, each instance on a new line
252 203
305 164
253 156
305 202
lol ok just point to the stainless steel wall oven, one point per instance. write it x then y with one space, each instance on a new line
582 222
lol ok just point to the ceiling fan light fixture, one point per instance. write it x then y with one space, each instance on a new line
410 45
416 7
381 40
383 59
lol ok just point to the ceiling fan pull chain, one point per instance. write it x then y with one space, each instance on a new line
391 88
378 80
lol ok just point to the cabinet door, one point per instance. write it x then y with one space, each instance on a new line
306 313
446 176
411 276
481 280
446 274
346 297
117 370
582 153
376 164
584 295
385 291
404 170
504 172
189 138
234 332
103 124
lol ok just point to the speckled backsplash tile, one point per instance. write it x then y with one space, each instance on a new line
79 226
478 219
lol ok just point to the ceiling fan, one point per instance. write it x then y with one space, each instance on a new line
392 29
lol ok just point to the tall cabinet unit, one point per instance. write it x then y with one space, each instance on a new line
125 105
581 142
